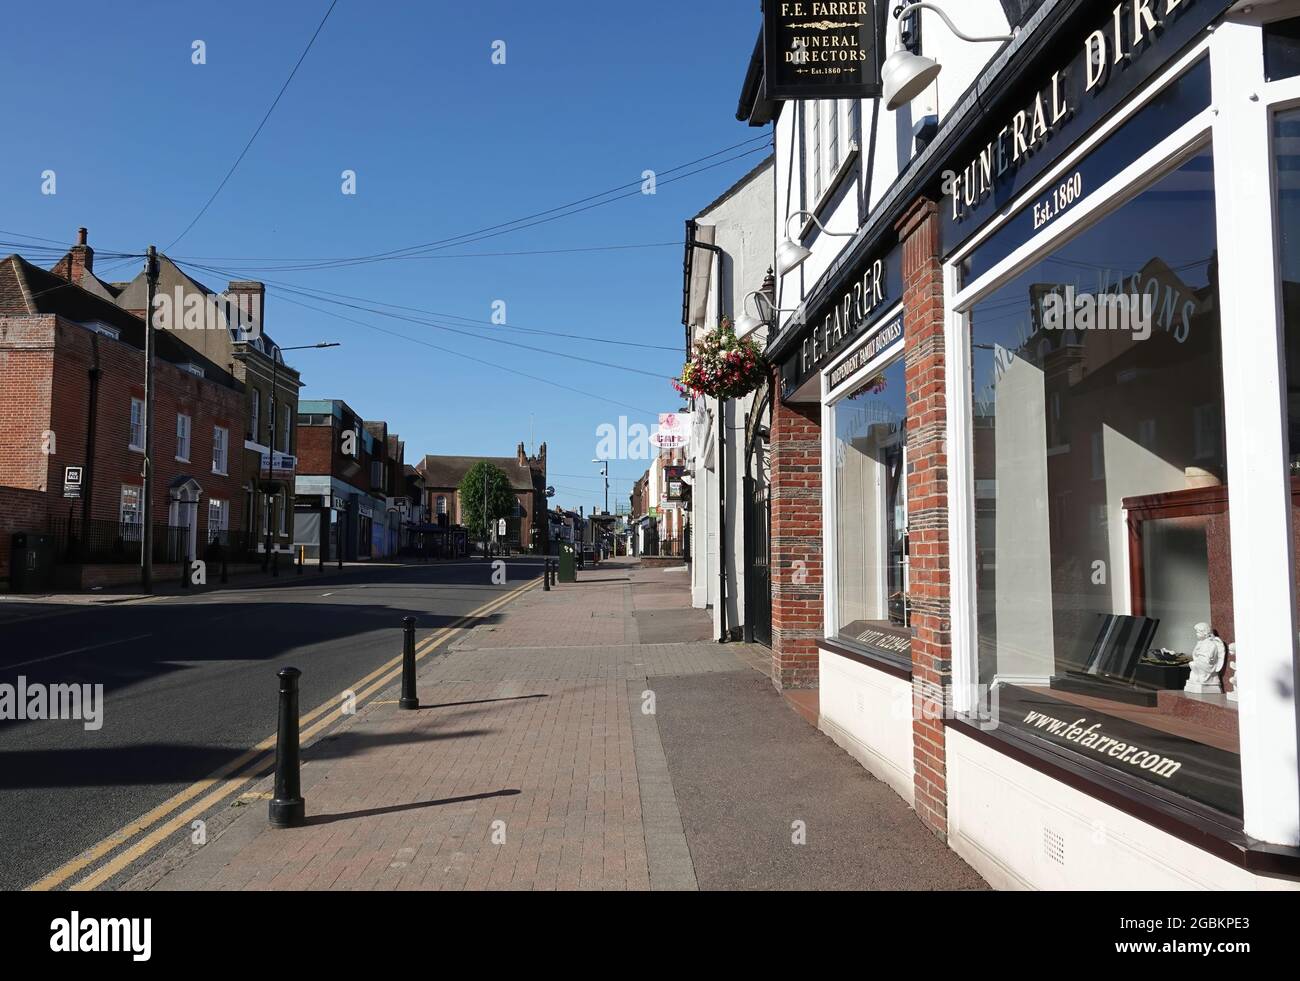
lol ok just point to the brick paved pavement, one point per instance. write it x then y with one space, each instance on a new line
532 765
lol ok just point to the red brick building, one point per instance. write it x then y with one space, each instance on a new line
529 528
72 396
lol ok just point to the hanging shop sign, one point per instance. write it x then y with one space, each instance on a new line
865 353
1096 70
674 430
673 483
816 50
875 287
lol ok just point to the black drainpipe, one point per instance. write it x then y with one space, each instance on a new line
88 468
691 244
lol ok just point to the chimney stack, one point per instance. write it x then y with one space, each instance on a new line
250 296
82 260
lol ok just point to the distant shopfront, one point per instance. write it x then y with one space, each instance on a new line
1058 546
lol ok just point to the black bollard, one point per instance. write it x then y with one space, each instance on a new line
546 576
301 559
287 809
409 700
223 566
340 558
185 572
275 564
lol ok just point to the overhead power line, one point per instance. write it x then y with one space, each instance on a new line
244 152
326 296
468 357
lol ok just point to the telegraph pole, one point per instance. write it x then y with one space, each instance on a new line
485 514
146 511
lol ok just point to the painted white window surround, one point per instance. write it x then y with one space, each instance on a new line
182 437
220 448
830 541
137 425
1239 125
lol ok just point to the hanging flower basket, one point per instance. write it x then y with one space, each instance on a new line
722 366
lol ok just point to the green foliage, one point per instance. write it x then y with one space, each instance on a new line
500 496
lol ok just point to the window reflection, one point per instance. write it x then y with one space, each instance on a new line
870 441
1101 495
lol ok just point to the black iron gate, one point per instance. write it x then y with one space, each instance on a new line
758 526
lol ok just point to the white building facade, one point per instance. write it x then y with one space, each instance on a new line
1003 551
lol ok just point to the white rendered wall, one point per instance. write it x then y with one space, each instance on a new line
868 714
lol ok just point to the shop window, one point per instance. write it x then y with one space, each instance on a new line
1286 140
869 438
1282 49
1104 590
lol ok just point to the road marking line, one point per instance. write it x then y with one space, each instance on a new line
79 650
252 756
146 844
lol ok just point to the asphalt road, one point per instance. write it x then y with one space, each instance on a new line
189 685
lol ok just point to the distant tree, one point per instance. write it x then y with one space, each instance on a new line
500 497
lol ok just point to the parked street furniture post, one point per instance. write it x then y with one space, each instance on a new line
185 571
287 809
409 699
301 558
546 576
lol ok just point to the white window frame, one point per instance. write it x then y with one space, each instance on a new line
255 417
221 508
221 441
830 540
183 437
132 529
135 440
1255 406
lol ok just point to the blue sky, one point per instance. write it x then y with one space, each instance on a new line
443 142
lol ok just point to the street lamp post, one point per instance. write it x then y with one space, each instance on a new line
270 432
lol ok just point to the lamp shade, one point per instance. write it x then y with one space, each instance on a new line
788 256
905 76
747 324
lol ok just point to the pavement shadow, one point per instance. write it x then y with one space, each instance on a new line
481 701
154 763
398 808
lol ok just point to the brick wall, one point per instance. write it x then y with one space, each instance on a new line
927 505
796 546
20 510
45 375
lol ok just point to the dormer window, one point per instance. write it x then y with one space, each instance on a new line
102 328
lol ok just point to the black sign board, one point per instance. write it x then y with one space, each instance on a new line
823 50
72 482
1085 76
859 300
865 353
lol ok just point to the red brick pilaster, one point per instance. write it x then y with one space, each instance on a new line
796 547
927 506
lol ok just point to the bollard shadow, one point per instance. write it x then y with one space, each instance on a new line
399 808
350 743
481 701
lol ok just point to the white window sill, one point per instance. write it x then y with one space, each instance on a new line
135 449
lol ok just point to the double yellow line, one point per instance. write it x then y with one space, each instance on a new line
237 774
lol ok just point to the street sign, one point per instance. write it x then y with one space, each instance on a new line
72 482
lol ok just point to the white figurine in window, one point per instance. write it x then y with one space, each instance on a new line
1207 661
1236 675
